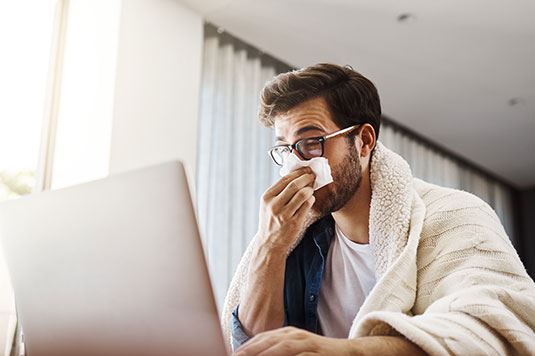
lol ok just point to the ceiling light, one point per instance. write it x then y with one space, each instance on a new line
406 17
516 101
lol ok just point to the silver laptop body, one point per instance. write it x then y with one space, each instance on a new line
112 267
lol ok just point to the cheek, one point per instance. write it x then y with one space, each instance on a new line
336 162
335 152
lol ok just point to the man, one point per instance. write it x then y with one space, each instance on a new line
376 262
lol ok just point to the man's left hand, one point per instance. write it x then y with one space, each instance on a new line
293 341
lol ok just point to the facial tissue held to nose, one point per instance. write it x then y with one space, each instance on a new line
319 165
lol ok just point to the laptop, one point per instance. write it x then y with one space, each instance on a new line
112 267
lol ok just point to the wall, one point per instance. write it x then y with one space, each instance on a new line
157 85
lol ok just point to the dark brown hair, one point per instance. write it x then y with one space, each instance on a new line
351 97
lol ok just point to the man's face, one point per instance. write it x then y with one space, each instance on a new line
311 119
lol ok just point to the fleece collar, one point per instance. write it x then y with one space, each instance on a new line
390 207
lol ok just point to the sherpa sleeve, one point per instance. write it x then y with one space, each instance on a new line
232 329
473 295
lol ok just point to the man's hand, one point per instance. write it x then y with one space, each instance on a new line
284 209
293 341
284 213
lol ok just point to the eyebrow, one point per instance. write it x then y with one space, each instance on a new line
302 130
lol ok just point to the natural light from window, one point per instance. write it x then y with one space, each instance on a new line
26 28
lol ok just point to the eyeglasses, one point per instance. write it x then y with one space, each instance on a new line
307 148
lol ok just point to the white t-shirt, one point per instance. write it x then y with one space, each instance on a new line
348 278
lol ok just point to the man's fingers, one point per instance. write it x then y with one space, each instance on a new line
292 188
273 343
254 348
258 343
298 200
278 187
305 207
285 348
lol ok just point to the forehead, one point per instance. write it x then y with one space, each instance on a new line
314 112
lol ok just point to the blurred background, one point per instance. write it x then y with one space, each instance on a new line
93 88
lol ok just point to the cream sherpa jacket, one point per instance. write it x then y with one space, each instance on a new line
448 278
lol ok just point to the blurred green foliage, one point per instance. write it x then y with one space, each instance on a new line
15 184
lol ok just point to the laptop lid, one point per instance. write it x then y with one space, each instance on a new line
112 267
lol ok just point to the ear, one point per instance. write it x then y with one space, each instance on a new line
367 140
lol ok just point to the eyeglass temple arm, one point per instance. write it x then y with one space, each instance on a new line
341 132
334 134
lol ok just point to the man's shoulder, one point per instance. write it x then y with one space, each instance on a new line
442 199
448 208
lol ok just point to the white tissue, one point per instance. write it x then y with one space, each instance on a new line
319 165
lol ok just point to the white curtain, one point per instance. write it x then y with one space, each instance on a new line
438 168
234 168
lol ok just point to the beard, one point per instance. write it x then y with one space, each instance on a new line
347 176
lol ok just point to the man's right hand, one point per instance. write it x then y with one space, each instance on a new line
284 209
283 218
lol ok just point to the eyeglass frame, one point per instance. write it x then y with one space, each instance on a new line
321 140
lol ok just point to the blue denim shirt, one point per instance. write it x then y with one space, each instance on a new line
302 281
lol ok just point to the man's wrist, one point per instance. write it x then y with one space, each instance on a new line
269 253
354 347
271 245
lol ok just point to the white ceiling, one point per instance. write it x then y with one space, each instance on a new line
449 74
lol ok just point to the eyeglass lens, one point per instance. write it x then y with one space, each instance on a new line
307 148
310 148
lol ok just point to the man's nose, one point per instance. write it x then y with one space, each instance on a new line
298 155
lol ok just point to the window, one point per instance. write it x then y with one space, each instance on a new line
28 31
85 109
57 69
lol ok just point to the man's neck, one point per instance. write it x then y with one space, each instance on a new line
354 217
